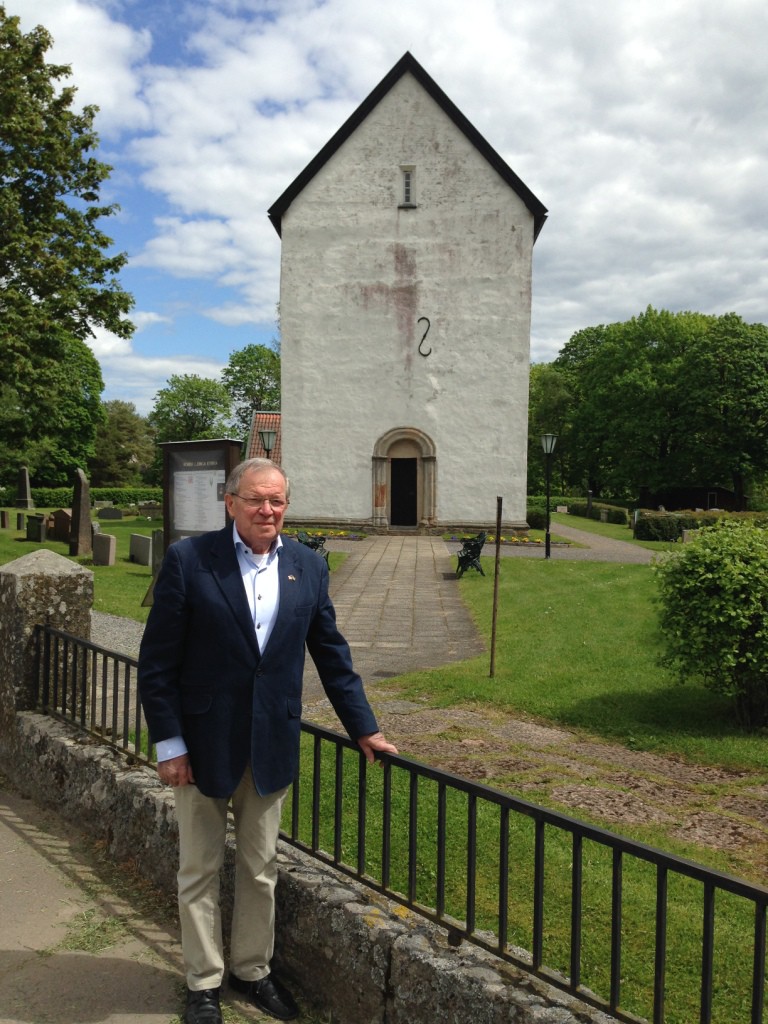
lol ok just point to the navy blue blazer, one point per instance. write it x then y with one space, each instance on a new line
201 675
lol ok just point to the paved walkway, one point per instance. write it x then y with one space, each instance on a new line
398 605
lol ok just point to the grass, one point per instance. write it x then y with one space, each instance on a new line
118 589
578 645
611 530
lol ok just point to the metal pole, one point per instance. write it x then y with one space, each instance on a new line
547 539
492 672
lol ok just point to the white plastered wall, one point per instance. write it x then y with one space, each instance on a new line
359 274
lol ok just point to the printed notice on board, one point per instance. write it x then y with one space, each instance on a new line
198 498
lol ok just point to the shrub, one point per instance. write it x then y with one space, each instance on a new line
667 526
714 619
536 515
61 497
583 509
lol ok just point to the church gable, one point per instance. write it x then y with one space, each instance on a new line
408 65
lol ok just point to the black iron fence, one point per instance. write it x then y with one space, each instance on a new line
634 931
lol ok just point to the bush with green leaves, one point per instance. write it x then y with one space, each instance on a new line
586 510
714 614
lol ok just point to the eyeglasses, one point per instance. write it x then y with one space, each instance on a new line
276 504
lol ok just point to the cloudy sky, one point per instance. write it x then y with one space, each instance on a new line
641 124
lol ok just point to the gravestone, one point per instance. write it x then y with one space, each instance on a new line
36 528
151 510
141 549
4 520
20 520
62 524
110 513
80 542
24 493
104 549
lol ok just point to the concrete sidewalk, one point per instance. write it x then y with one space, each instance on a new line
55 912
399 607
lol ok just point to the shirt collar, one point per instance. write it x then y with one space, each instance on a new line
274 547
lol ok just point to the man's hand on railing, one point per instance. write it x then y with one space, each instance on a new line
375 743
176 771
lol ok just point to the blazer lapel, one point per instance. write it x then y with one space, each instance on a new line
289 574
226 572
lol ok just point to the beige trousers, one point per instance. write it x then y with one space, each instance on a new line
202 834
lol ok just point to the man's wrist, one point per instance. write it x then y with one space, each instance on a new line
168 749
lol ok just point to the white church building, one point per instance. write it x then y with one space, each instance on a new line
405 305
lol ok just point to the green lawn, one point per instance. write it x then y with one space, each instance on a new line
578 645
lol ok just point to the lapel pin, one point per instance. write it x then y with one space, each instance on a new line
292 578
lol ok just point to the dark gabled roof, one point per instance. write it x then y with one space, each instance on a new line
408 64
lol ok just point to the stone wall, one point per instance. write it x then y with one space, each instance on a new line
364 958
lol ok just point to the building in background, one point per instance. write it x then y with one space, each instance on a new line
405 306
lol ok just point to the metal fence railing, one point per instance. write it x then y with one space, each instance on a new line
637 932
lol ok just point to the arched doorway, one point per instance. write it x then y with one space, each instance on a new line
404 479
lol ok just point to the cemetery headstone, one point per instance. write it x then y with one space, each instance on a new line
4 520
36 529
104 549
62 524
80 542
24 492
140 550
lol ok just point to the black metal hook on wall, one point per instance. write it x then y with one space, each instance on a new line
426 332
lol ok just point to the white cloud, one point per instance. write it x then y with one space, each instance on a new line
642 126
137 378
104 53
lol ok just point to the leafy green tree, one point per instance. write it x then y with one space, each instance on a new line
549 411
191 408
714 618
49 420
668 400
727 402
57 279
252 380
124 449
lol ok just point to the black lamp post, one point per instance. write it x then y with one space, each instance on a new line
268 440
548 442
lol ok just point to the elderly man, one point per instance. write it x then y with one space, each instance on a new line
220 678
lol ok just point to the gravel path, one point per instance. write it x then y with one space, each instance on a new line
116 633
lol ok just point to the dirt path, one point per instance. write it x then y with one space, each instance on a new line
644 795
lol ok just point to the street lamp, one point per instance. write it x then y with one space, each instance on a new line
548 442
268 440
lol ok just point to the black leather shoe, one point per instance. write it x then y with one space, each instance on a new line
203 1007
268 995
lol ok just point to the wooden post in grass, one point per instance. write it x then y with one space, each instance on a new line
492 673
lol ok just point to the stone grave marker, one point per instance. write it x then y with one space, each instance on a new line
80 542
24 493
104 549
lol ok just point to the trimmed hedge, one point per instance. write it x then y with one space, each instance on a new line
669 526
121 497
615 514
